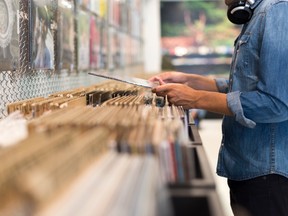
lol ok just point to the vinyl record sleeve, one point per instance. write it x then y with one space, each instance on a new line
95 6
114 48
42 34
9 35
115 12
103 45
83 35
103 7
94 43
125 79
85 4
65 35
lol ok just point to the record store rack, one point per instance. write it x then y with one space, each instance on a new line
75 145
107 149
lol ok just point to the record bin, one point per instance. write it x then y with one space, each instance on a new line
194 135
199 171
200 202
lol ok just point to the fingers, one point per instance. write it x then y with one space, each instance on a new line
160 90
157 79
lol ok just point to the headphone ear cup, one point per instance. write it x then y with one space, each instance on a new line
239 13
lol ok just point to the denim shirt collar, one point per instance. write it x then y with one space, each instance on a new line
257 2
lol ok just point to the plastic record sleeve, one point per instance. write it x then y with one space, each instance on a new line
125 79
42 34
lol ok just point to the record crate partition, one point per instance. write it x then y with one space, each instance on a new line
49 46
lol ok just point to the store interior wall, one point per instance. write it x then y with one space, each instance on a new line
152 35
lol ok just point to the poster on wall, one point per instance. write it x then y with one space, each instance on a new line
9 35
42 34
94 43
65 35
83 36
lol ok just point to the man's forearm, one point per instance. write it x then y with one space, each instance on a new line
213 102
199 82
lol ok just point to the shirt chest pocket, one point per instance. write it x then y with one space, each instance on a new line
242 52
245 61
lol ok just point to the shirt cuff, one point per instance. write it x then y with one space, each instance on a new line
222 85
234 103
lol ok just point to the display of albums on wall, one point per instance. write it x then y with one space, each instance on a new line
72 35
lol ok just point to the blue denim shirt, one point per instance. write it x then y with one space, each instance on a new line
255 139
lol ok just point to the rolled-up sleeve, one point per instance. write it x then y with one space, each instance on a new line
234 103
222 85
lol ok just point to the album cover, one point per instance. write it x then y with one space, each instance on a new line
133 51
83 35
103 46
84 3
137 4
114 48
128 50
135 23
42 34
124 16
103 7
94 43
9 35
115 15
138 50
95 6
122 49
65 35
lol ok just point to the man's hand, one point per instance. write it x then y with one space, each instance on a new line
177 94
170 77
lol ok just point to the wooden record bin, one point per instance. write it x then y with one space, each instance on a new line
79 126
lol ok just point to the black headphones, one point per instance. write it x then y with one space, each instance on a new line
240 12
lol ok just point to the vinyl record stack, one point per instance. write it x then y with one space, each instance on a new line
108 149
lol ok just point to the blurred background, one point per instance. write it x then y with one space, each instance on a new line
196 37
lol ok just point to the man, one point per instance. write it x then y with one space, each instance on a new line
254 150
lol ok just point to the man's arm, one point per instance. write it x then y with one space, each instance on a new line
183 95
195 81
